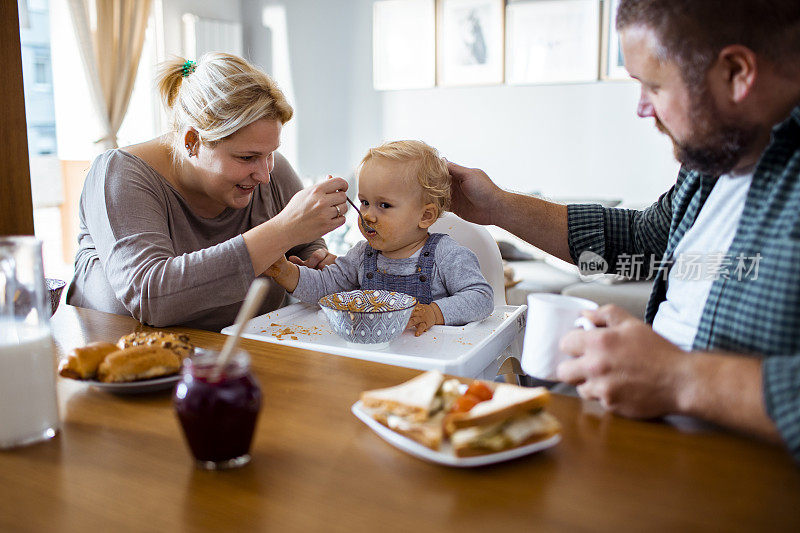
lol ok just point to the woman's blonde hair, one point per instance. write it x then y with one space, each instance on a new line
429 168
221 94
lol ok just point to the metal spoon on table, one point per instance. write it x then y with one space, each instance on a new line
367 227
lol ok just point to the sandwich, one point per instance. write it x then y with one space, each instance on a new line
416 408
478 419
513 417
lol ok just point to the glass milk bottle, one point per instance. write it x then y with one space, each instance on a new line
28 407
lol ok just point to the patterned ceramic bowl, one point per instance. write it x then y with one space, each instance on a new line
368 317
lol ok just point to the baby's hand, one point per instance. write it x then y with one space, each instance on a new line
276 268
285 273
319 259
424 316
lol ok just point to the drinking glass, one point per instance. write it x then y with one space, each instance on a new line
28 405
218 412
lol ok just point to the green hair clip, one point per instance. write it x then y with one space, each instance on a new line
188 68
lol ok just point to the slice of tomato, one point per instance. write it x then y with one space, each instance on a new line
464 403
480 390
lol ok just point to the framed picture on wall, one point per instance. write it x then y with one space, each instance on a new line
470 42
404 44
552 41
613 66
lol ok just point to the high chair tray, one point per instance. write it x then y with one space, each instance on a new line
458 350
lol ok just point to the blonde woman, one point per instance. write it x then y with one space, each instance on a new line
173 230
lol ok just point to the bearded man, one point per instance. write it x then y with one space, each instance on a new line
722 79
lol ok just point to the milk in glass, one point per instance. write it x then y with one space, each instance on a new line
28 410
28 407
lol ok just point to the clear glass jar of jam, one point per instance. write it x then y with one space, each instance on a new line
218 414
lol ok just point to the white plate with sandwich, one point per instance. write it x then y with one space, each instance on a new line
417 417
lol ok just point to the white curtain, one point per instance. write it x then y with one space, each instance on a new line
110 35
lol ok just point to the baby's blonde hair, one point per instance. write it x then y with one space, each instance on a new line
222 94
430 169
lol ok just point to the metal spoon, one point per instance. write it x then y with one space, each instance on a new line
367 227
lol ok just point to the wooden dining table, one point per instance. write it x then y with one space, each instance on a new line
120 463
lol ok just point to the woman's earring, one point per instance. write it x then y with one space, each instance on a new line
189 150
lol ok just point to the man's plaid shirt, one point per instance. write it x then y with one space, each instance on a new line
750 315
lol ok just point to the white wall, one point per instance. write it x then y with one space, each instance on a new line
173 10
572 140
322 46
337 114
366 122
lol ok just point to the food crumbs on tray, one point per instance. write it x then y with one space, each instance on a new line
294 330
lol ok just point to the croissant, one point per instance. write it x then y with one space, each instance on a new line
82 363
138 362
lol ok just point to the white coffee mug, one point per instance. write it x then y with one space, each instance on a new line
550 317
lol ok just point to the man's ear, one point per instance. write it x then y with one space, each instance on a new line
430 213
191 141
736 70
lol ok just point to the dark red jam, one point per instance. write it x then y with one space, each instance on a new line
218 416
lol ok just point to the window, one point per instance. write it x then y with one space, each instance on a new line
37 6
46 185
41 70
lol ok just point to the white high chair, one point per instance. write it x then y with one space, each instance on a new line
475 350
477 239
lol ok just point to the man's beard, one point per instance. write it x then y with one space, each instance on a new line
719 144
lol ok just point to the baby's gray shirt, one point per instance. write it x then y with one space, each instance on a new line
457 285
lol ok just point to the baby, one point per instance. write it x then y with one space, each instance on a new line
403 187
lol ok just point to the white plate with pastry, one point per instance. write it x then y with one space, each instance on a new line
137 387
138 363
447 422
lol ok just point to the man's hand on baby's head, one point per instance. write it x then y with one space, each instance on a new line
424 316
474 196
